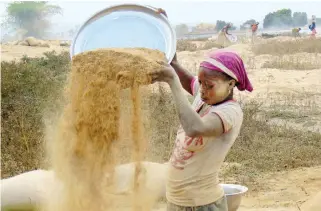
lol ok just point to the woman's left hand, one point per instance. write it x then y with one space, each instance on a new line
161 11
165 74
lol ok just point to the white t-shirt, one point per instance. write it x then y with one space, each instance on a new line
195 161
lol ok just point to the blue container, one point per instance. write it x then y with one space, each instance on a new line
126 26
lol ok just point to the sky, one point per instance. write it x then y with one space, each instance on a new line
186 11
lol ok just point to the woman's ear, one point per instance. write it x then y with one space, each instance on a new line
232 84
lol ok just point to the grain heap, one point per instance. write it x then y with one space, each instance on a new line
87 141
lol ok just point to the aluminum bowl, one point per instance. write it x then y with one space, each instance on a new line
234 194
126 26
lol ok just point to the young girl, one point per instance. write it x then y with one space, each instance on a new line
208 129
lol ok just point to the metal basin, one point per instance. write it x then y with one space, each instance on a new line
126 26
233 194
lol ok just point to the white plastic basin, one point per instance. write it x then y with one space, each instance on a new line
233 194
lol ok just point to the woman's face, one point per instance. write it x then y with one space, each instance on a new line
214 86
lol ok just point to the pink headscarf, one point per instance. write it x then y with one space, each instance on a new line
231 64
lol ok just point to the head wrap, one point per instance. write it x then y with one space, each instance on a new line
231 64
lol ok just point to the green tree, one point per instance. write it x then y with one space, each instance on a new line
300 19
247 24
32 16
281 19
181 30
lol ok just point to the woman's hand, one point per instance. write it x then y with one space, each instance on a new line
162 11
165 74
174 60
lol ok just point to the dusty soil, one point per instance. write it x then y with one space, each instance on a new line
283 191
14 52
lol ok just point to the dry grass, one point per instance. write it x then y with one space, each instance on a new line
301 109
282 34
209 45
294 62
283 114
292 46
266 147
263 147
199 39
186 45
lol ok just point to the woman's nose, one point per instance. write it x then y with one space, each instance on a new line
201 89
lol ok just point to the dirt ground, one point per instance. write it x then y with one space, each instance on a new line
282 191
14 52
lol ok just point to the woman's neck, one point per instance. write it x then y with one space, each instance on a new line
229 97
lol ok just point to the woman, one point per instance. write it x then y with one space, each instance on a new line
208 128
254 28
296 32
312 27
222 39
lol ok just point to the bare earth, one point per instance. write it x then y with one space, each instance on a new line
14 52
282 191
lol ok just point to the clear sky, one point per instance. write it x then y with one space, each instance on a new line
186 11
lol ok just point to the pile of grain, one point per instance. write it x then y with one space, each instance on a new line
88 137
31 41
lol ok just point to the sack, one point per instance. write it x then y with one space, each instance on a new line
232 38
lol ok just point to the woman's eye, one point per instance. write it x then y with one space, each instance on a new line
200 82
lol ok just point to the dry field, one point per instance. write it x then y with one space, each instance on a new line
278 154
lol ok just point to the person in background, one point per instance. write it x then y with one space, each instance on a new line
209 128
222 38
254 28
296 32
312 27
226 28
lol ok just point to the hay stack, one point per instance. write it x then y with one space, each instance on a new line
64 43
43 43
31 41
24 43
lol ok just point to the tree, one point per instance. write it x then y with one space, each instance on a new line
220 25
181 30
300 19
31 16
247 24
281 19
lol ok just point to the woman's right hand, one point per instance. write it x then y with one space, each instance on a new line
162 11
174 60
165 74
